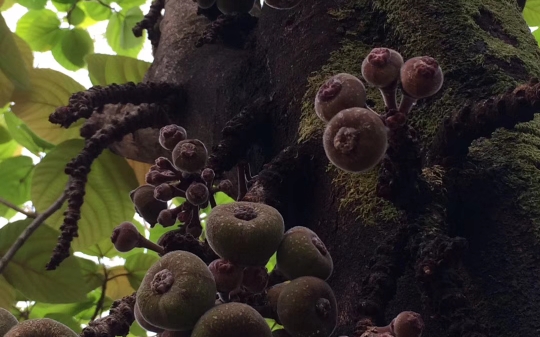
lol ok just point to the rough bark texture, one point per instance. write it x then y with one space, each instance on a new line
490 198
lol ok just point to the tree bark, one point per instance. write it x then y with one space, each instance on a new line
490 197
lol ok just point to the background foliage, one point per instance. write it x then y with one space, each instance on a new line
33 154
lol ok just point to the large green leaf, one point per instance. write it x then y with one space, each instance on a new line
11 61
118 285
119 34
40 28
531 13
22 134
65 319
49 90
95 10
16 173
25 51
106 203
127 4
93 278
7 294
107 69
137 265
8 146
74 45
33 4
6 89
26 271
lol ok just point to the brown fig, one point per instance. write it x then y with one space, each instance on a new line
146 205
43 327
355 140
407 324
142 322
339 92
228 276
381 69
189 156
7 321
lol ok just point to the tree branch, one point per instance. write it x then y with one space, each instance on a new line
40 219
32 215
521 4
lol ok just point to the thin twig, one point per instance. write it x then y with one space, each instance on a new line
32 215
30 229
99 305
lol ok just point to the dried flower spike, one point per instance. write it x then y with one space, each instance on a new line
381 69
421 77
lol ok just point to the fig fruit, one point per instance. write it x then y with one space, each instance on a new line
302 253
339 92
355 140
231 320
189 156
7 321
176 291
146 205
245 233
228 276
307 308
43 327
142 322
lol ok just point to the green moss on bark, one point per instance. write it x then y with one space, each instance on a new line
481 47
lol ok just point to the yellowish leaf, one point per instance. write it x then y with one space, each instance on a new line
140 170
118 285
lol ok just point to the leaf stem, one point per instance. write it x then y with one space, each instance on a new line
38 221
99 306
32 215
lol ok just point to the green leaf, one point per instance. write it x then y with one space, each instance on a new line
74 45
26 271
106 203
119 34
7 4
6 89
7 294
77 17
49 90
93 278
108 69
531 13
8 146
25 51
40 310
66 319
11 61
40 28
22 134
127 4
222 198
118 285
137 265
95 10
61 7
33 4
16 173
105 247
136 330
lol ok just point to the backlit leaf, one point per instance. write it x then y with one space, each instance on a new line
7 294
16 173
11 61
49 89
26 271
137 265
107 69
74 45
531 13
119 33
40 28
118 285
106 202
22 134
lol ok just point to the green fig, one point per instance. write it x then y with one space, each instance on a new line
245 233
307 307
232 320
176 291
302 253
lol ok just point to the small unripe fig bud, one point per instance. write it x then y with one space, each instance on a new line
421 77
125 237
197 194
255 279
208 175
228 276
407 324
170 135
355 140
226 186
190 155
167 218
146 205
381 67
163 192
339 92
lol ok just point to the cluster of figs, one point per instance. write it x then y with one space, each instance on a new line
244 6
355 138
182 296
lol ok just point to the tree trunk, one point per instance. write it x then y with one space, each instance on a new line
489 197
